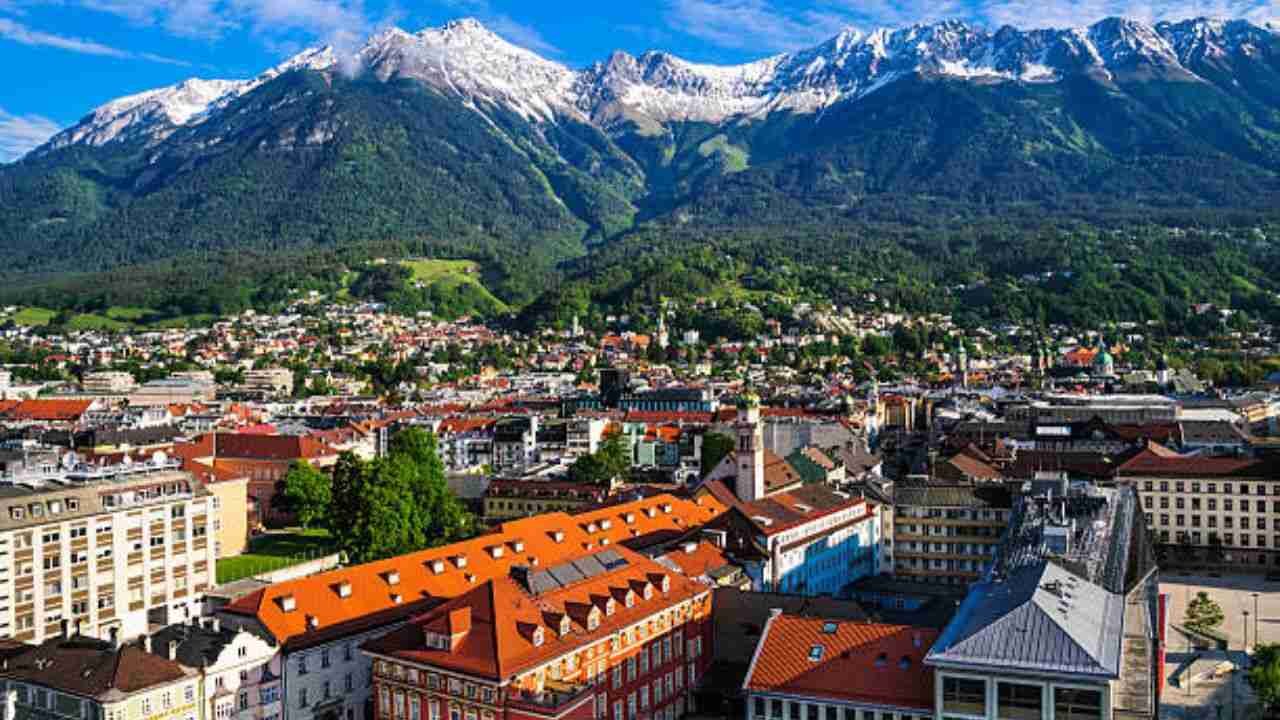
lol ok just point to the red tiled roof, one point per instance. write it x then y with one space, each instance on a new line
50 410
860 662
1150 463
704 557
492 626
437 572
271 447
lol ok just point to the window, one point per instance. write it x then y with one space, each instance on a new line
302 666
349 682
1018 702
964 696
1077 704
324 658
815 653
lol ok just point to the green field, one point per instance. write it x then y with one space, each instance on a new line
450 275
275 551
34 316
90 321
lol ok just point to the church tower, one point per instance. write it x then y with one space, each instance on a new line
750 451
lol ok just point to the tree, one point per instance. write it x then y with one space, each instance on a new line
715 446
395 504
1203 613
1264 676
307 493
612 460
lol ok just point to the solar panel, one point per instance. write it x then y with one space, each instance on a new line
589 566
541 582
566 574
610 559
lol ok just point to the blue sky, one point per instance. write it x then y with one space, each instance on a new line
64 57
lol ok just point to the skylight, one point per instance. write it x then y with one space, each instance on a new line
829 628
815 653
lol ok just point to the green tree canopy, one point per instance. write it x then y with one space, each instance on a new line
1203 613
308 493
715 446
1264 676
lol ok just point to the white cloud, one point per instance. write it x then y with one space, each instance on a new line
752 24
19 134
19 33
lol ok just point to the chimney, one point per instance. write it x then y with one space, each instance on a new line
173 649
146 643
215 624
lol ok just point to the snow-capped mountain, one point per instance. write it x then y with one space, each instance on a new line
465 59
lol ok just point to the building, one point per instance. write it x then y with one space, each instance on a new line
948 532
1067 621
82 677
172 390
814 667
273 382
583 436
515 443
1111 409
263 459
510 499
316 623
789 537
675 399
101 549
607 634
239 671
1212 509
107 382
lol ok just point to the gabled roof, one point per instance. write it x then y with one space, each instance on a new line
1149 462
856 661
1042 618
492 627
403 585
92 668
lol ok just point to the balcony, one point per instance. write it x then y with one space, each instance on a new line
554 699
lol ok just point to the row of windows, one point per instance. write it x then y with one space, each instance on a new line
1211 487
1228 523
1017 701
1228 504
775 709
1228 539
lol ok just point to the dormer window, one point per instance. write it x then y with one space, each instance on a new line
393 578
313 622
460 560
564 625
606 524
666 508
610 606
631 599
629 518
538 637
288 603
593 619
557 535
495 551
437 566
604 541
651 512
648 591
344 589
517 545
591 527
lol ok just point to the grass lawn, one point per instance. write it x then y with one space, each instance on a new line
450 274
274 551
90 321
33 316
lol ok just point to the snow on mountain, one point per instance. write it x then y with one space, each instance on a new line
465 59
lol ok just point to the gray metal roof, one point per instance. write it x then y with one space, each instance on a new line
1041 619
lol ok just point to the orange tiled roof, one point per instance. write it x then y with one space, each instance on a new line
704 557
50 410
492 627
455 569
860 662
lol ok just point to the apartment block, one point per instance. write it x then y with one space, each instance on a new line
948 533
96 550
